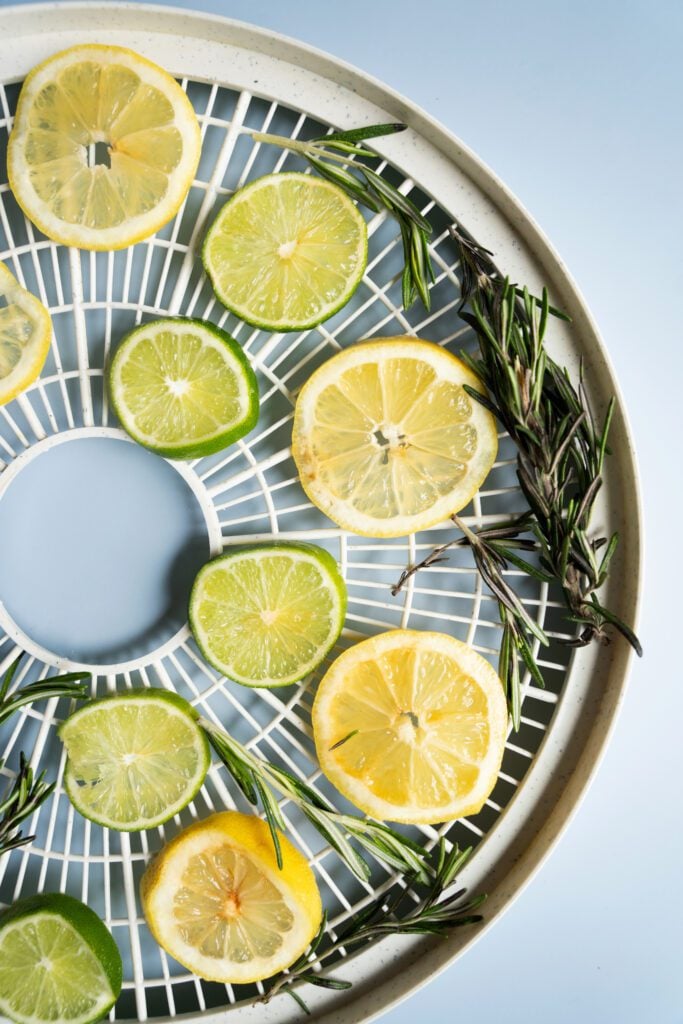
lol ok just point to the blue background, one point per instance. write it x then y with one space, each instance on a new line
577 106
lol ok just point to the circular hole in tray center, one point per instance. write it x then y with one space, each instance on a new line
100 542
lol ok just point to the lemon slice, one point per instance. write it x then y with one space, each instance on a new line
134 760
386 440
215 899
58 962
104 148
411 727
183 388
25 333
267 615
286 252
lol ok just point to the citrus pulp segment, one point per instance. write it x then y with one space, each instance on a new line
387 441
183 388
286 251
58 962
25 333
135 759
104 148
267 615
215 899
411 727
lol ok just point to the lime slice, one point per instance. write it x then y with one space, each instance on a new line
58 962
286 252
268 615
25 334
134 760
183 388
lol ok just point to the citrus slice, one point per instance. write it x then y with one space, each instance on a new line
411 727
267 615
387 441
58 962
286 251
104 148
134 760
183 388
215 899
25 333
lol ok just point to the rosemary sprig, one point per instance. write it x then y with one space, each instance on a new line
69 685
435 914
493 548
338 157
257 778
561 448
24 797
27 793
561 452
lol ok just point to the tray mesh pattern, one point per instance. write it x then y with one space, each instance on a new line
253 487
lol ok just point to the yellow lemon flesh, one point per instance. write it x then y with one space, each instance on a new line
104 148
411 727
25 333
215 899
387 441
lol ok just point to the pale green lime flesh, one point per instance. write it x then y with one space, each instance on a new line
268 615
134 761
183 388
49 973
286 252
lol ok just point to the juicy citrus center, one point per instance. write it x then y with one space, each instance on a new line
178 388
265 616
133 761
286 251
89 111
227 909
178 385
422 727
392 437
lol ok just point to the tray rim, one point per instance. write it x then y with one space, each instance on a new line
431 961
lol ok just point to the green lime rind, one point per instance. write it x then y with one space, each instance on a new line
70 733
190 448
99 955
330 576
280 325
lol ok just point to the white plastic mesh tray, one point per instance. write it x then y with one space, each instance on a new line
241 80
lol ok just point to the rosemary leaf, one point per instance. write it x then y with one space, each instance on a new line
297 999
372 131
344 739
23 798
322 982
273 817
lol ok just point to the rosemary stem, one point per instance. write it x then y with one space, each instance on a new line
307 149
